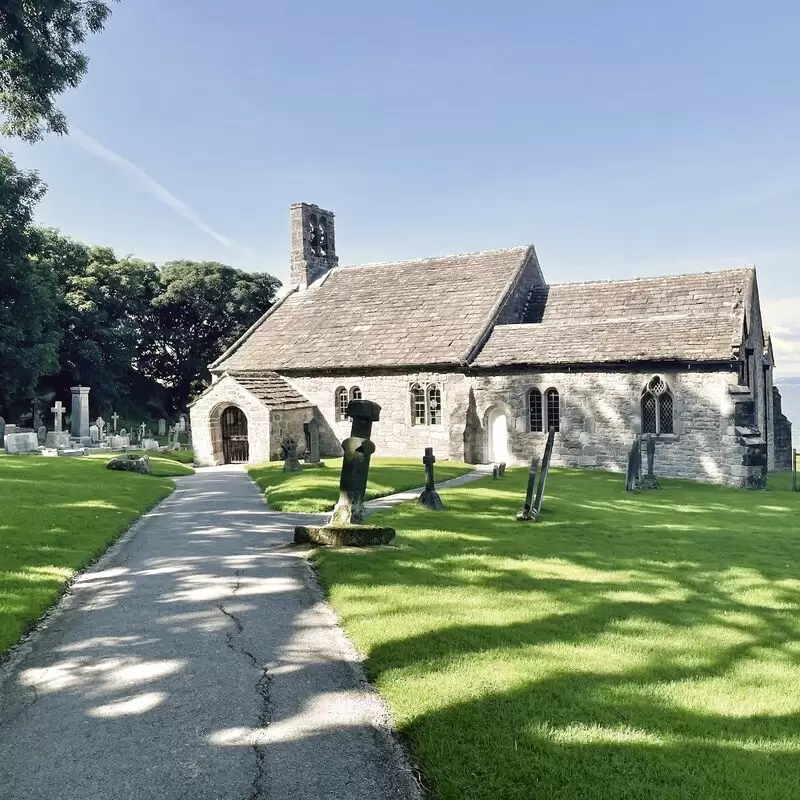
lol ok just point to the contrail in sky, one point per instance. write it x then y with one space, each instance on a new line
150 185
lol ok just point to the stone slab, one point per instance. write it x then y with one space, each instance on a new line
58 440
343 535
17 443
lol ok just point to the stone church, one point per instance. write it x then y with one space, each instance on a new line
478 356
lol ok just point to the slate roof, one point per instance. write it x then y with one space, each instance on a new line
270 388
425 312
694 317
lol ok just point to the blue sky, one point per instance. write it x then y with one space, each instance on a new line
621 138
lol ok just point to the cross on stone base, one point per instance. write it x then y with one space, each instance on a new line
430 497
58 411
115 419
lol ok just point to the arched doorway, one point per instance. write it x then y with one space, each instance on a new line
497 432
235 447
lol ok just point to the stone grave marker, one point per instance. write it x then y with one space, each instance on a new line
162 427
548 453
149 444
123 431
101 427
94 434
311 429
346 526
501 469
142 430
794 470
649 481
37 421
289 447
41 434
114 421
495 471
80 412
2 432
634 466
27 442
526 512
58 416
183 422
430 497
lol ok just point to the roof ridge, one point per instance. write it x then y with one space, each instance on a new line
471 254
642 278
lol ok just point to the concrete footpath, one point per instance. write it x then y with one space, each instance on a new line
197 661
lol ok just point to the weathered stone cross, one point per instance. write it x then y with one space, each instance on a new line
115 418
59 411
142 429
101 424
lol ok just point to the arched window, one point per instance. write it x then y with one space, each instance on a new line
340 400
355 393
417 394
657 407
535 417
323 236
313 234
553 403
434 405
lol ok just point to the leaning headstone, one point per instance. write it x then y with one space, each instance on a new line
162 427
495 471
80 412
346 527
94 433
27 442
430 497
548 453
311 429
501 468
526 512
289 447
2 432
41 434
634 466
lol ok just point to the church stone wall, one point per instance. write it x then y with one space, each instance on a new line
206 428
287 422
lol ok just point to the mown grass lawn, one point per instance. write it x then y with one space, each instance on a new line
626 646
163 465
58 514
317 488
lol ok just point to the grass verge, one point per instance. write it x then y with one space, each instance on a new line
317 488
636 646
164 465
58 515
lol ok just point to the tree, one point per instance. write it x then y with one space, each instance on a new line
40 58
28 290
200 309
105 305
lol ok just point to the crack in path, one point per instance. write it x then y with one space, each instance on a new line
259 786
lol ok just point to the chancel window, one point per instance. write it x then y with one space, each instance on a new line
553 403
355 393
657 407
341 400
426 404
535 418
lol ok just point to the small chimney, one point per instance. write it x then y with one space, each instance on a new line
313 243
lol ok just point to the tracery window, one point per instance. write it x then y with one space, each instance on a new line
657 407
426 404
553 403
341 400
535 418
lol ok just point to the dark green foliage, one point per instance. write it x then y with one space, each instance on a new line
200 308
40 58
28 334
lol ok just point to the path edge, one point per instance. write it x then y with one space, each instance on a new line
23 648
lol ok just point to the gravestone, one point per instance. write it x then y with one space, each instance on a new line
548 453
149 444
118 441
27 442
142 430
430 497
36 417
526 512
58 414
80 412
101 425
311 429
94 433
123 431
58 440
346 527
114 420
501 469
183 422
634 466
289 447
162 427
2 432
649 481
495 471
794 470
41 434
